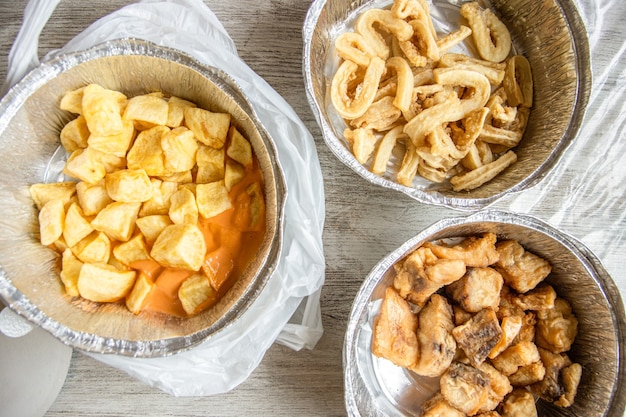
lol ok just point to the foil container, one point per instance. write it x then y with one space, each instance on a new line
30 123
374 386
550 33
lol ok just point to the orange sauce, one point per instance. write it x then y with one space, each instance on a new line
232 242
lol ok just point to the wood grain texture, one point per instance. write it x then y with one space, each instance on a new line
363 224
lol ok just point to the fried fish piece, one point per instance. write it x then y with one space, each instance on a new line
422 273
557 327
522 270
465 388
479 288
434 334
561 380
541 297
478 336
511 326
437 406
528 374
519 403
521 354
395 328
475 251
499 387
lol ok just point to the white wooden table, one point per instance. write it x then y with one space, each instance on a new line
363 223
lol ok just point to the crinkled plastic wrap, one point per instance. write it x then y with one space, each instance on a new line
287 311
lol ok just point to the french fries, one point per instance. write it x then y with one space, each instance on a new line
459 115
499 329
148 171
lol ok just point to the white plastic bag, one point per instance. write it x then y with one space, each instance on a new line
288 310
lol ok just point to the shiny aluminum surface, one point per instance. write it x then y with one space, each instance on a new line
30 122
375 387
549 33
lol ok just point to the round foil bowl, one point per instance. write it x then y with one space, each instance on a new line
30 124
549 33
375 386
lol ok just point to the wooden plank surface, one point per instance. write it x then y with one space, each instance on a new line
363 223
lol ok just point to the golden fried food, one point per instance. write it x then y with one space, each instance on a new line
395 331
465 387
162 192
522 270
478 336
557 327
484 338
519 403
462 114
434 334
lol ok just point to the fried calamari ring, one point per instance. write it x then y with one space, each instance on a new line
453 38
414 9
381 116
353 47
518 82
408 167
493 71
421 47
404 88
453 108
477 177
352 103
369 22
491 36
385 147
362 142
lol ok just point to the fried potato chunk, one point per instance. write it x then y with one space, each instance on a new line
176 111
152 226
208 127
179 149
395 337
211 164
465 387
183 207
95 248
129 186
479 288
77 226
434 334
102 109
519 403
132 251
195 292
139 294
180 246
522 270
70 270
146 152
75 134
102 282
51 222
92 197
212 199
116 144
474 251
117 220
239 148
478 336
556 327
148 109
44 192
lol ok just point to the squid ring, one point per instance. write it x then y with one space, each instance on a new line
518 82
383 19
491 36
353 47
353 104
404 89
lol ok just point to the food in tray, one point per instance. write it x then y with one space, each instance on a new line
456 116
165 208
477 313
